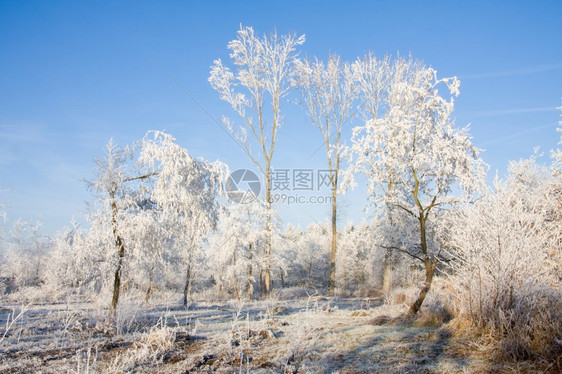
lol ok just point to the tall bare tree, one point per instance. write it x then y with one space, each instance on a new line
372 76
329 94
263 67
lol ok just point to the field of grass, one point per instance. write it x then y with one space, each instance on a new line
308 335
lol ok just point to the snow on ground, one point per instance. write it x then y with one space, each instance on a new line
311 335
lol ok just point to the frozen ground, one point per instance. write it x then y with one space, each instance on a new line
316 335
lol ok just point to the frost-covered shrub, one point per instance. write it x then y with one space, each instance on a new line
506 274
359 262
128 315
307 257
533 324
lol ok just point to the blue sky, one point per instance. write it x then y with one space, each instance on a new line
73 74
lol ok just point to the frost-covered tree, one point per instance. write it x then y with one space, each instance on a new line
255 90
328 94
413 157
186 192
114 182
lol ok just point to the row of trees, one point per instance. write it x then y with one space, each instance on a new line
407 147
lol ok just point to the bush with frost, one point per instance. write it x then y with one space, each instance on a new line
507 270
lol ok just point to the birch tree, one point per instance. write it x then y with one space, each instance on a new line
413 156
113 182
263 67
329 94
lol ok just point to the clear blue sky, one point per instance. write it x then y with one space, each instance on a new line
73 74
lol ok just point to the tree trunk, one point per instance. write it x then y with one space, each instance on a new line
429 270
235 276
249 280
121 254
116 283
332 288
268 231
387 279
309 284
187 287
429 266
149 290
